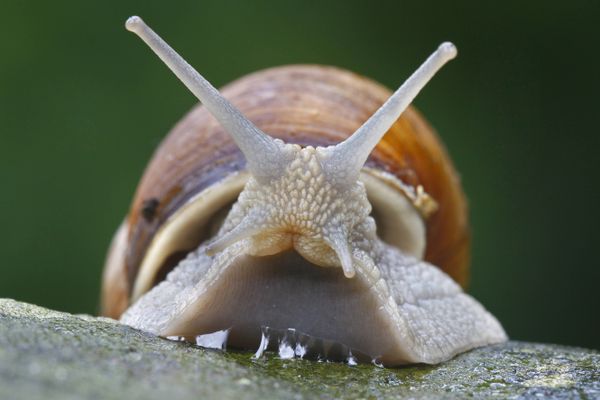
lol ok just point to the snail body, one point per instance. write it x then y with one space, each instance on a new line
327 225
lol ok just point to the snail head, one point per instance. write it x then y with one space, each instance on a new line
306 198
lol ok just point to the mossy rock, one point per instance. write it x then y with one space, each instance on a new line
47 354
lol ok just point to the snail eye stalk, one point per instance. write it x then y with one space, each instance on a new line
264 154
346 159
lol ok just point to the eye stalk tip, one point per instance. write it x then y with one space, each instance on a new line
134 23
448 49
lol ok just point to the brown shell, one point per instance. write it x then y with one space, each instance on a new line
307 105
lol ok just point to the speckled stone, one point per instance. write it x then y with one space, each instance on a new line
47 354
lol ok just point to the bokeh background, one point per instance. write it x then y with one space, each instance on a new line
83 104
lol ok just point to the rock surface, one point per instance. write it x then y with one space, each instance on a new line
47 354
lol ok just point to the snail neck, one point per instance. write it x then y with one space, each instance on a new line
303 209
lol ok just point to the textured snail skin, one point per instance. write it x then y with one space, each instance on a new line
262 269
403 311
307 105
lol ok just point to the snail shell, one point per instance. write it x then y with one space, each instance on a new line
203 190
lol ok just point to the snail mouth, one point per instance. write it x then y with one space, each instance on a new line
283 299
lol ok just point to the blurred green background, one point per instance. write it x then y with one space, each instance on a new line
83 104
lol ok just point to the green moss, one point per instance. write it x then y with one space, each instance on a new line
51 355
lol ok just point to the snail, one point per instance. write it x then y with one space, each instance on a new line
302 199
